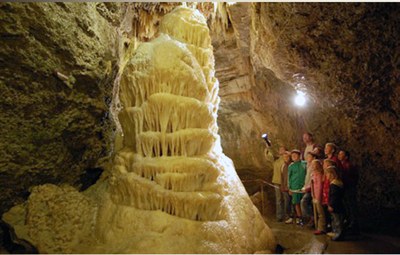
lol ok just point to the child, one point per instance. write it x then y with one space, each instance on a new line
306 201
296 175
317 176
335 205
325 191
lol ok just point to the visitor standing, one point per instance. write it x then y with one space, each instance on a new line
316 192
308 140
335 204
325 191
276 180
350 182
330 152
306 201
296 174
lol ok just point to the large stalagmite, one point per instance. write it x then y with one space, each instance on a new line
171 189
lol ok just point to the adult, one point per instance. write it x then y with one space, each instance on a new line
296 174
350 181
276 177
276 180
308 140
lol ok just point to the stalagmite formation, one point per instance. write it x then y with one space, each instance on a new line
171 189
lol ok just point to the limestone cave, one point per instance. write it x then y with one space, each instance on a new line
199 127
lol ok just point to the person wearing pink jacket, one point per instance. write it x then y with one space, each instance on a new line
317 177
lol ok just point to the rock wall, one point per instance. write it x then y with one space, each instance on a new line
59 61
344 56
58 64
253 101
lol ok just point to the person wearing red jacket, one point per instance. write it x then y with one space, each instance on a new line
350 181
325 190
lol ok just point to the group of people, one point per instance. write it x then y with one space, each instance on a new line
317 187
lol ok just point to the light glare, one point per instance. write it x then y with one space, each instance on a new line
300 99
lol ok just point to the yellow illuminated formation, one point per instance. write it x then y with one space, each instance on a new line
171 189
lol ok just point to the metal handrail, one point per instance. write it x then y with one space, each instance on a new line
262 184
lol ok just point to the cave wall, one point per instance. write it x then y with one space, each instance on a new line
58 64
253 101
345 56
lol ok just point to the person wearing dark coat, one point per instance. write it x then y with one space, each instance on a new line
350 182
335 203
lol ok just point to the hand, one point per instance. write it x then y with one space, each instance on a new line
330 209
315 201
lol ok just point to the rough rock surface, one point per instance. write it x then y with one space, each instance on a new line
347 52
58 63
345 57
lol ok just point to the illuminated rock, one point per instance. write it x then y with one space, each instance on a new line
171 189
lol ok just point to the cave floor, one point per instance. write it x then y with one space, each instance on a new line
300 240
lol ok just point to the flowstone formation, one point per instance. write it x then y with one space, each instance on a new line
171 189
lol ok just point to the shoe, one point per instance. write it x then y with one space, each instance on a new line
331 234
299 222
289 221
318 232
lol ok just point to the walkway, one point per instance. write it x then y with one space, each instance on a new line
301 240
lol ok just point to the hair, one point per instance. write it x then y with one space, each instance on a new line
334 147
346 153
330 161
331 170
309 134
312 153
318 166
287 153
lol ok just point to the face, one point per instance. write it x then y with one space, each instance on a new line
328 176
314 165
328 149
309 157
286 157
295 157
282 150
341 155
306 138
